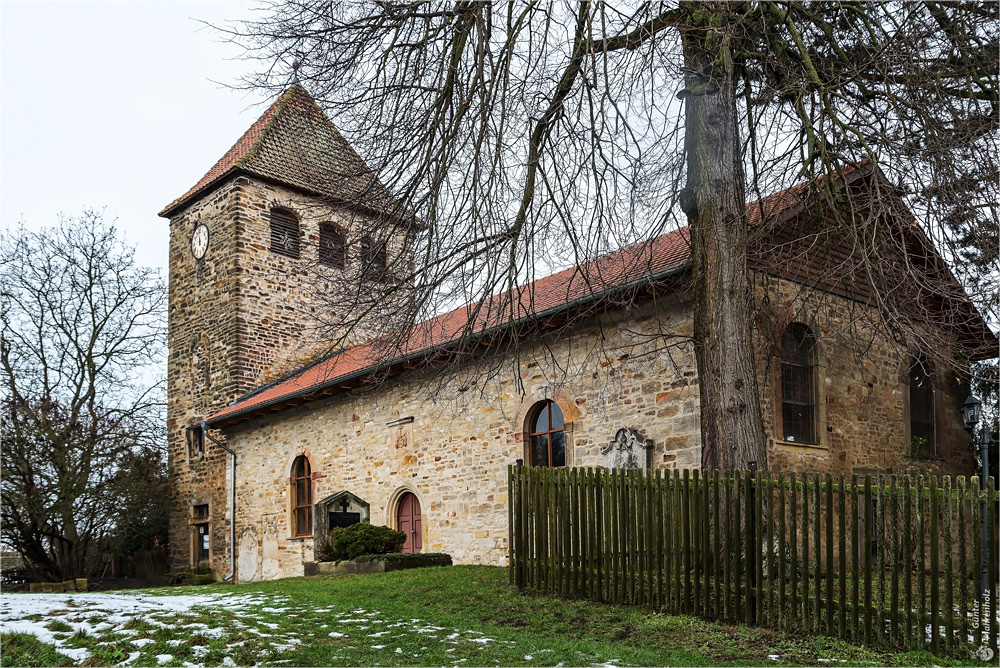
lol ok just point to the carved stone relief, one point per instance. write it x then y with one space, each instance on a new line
248 561
270 556
627 450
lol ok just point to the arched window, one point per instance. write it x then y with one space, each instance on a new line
373 260
332 246
798 384
284 233
301 497
921 393
546 437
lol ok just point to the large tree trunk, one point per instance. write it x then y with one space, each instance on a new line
714 201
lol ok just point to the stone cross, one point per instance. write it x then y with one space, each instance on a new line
627 450
344 505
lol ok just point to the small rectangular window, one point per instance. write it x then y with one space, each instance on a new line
332 246
195 443
200 511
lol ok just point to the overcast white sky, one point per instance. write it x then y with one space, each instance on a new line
115 105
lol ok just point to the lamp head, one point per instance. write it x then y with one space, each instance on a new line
970 412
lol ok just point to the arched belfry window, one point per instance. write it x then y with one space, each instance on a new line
301 497
284 233
546 435
921 397
332 246
798 384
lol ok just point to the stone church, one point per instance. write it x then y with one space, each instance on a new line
270 447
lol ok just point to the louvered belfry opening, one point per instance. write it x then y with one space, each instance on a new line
373 260
332 246
284 233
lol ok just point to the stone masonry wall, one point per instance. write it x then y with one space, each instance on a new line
862 391
203 339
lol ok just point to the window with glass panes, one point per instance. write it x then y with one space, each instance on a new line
302 491
546 435
798 386
921 409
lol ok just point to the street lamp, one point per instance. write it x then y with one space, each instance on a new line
971 411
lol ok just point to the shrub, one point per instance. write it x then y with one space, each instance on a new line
358 539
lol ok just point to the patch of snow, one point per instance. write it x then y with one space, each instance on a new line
399 650
131 657
164 658
336 634
228 661
75 653
142 642
481 641
379 634
772 657
378 646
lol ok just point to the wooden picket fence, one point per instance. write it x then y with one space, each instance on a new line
889 561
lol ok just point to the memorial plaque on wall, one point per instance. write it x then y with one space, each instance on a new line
627 450
340 519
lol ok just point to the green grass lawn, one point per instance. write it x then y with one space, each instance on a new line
461 616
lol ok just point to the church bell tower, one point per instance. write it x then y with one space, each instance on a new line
289 205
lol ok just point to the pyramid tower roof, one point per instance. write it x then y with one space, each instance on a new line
294 144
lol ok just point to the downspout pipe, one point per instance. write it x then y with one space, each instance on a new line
232 502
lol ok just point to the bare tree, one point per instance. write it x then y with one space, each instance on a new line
82 339
528 136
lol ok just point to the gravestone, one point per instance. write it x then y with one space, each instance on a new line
248 564
627 450
270 555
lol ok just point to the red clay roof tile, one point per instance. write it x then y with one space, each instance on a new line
294 143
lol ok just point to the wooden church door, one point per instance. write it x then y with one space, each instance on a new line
408 521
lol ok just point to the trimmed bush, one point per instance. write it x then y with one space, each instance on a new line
357 540
427 558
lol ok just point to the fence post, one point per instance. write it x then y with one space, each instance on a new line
753 554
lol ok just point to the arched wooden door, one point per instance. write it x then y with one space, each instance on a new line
408 521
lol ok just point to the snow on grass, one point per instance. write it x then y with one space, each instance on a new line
151 628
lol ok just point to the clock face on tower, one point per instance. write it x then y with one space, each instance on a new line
199 241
